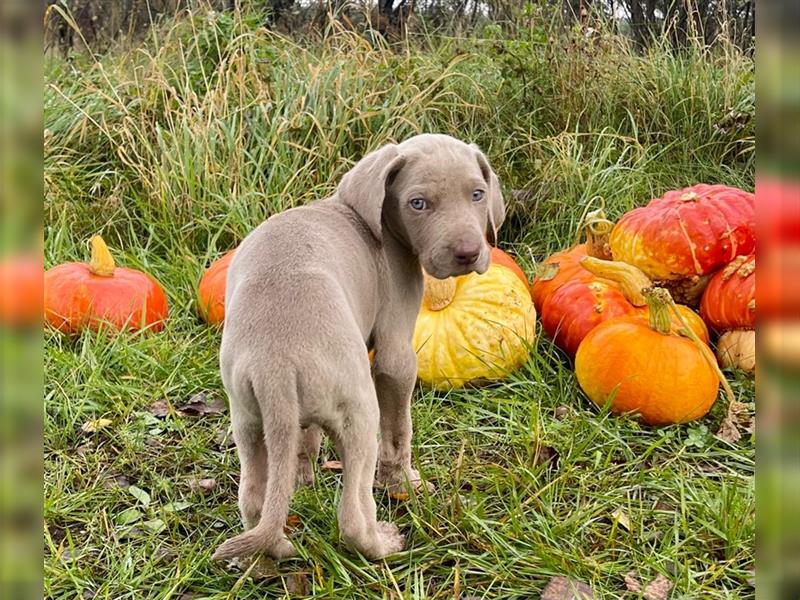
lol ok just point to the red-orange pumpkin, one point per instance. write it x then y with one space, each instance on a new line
647 368
22 284
577 307
78 296
685 235
564 266
211 289
729 301
729 307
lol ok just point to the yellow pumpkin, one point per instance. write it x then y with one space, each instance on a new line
473 328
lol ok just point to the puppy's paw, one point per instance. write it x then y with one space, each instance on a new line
282 548
398 481
392 540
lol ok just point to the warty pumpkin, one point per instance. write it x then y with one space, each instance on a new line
645 367
211 289
679 239
729 307
473 328
99 294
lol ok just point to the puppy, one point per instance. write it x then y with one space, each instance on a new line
308 292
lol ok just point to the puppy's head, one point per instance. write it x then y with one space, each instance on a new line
436 195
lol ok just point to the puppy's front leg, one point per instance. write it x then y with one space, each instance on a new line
395 371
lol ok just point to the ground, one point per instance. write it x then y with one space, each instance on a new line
174 150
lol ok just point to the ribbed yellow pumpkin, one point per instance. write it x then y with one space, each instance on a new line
473 328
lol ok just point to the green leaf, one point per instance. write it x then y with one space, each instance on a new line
142 496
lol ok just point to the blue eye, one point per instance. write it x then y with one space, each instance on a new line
477 195
418 203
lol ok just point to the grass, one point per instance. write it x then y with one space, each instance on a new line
175 149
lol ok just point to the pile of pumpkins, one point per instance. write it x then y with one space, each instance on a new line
607 302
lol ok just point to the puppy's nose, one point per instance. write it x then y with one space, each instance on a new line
466 254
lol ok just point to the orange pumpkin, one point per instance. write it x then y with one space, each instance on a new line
211 290
645 367
729 307
22 282
564 266
679 239
78 296
503 259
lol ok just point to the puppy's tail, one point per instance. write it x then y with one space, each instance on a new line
281 434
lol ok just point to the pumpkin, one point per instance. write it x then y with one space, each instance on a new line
78 296
564 266
21 279
499 257
578 306
473 328
211 289
645 367
679 239
729 307
575 308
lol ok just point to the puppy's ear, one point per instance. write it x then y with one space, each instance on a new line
494 196
363 188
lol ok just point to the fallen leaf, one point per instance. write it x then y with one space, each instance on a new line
128 516
621 517
142 496
198 406
736 420
658 589
224 438
95 425
632 582
546 271
117 481
204 486
545 455
297 584
564 588
159 408
164 554
399 495
293 521
155 525
332 465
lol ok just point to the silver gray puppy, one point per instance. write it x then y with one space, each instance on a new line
308 292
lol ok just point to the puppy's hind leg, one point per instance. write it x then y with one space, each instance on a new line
357 440
279 410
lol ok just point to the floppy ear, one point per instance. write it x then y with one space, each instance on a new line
363 188
494 196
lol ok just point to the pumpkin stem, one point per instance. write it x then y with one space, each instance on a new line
438 293
102 263
658 301
597 229
630 279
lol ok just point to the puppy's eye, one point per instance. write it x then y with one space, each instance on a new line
418 203
477 195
